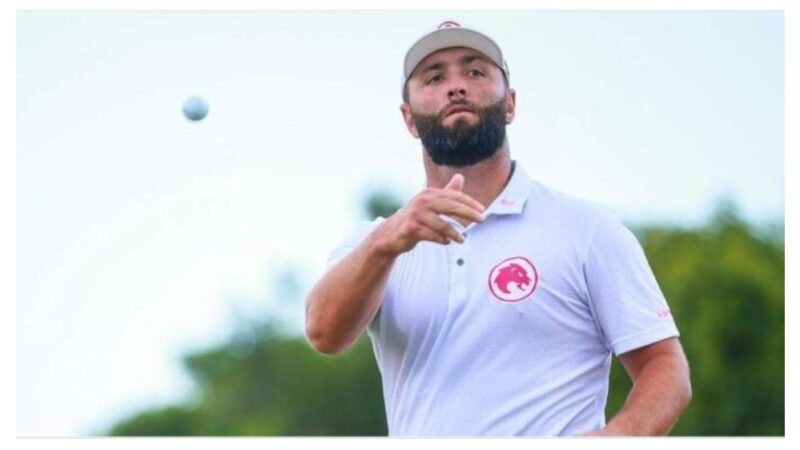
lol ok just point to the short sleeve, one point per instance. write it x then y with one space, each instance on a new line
624 295
348 244
353 240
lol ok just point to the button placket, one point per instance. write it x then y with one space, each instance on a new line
459 279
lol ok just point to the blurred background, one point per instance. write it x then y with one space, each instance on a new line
162 263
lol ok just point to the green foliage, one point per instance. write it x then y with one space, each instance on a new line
273 385
725 287
724 283
381 204
169 421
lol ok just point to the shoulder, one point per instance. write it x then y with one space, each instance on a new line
562 206
365 227
353 238
361 230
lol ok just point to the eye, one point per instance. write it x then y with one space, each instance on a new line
435 78
473 72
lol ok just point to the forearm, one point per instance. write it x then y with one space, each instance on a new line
660 393
342 304
346 299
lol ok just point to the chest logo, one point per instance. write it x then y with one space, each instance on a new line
513 279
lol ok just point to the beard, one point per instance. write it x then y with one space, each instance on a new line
463 144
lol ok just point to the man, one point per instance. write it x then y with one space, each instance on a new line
493 302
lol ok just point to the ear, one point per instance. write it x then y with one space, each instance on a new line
511 105
409 120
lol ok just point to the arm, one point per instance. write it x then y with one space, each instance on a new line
660 393
343 303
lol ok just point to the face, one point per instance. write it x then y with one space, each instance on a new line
458 105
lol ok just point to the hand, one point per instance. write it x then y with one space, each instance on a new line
419 219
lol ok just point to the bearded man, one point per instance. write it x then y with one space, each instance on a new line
493 302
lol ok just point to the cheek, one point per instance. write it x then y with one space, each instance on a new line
493 95
425 108
428 103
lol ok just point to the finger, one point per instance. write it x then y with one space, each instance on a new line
435 223
453 208
461 205
428 234
456 183
463 198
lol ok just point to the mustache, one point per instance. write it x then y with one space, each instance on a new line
449 107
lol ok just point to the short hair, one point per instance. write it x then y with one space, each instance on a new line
405 86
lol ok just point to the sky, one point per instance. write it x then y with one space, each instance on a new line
141 235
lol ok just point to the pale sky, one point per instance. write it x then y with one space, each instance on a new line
141 235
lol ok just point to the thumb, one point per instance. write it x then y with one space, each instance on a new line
456 183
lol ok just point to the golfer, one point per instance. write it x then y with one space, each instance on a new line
494 303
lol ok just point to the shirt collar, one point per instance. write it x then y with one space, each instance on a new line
514 195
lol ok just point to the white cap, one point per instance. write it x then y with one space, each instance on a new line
450 34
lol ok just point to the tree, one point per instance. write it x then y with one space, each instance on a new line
725 286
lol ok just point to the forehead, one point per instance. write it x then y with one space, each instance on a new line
449 56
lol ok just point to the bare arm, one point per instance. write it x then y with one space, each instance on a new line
343 303
661 391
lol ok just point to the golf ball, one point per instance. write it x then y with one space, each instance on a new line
195 108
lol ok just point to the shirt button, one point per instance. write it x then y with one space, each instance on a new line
460 262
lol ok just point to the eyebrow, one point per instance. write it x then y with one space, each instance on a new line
463 61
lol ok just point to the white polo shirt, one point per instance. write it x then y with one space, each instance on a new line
512 332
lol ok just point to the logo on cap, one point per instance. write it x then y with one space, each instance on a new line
448 24
513 280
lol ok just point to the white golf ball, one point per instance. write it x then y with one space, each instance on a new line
195 108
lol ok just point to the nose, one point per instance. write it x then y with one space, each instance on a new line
457 90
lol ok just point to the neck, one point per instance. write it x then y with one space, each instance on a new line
483 181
